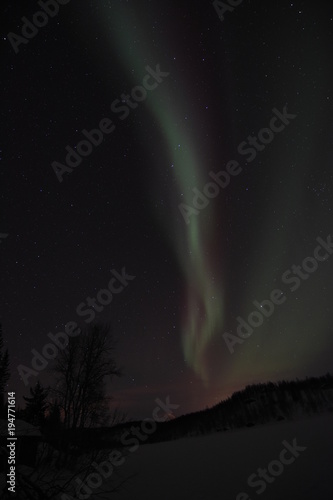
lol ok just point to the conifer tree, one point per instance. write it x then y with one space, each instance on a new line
36 406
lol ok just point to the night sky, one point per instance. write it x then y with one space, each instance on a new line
212 86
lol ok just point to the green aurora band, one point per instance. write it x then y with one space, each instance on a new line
194 242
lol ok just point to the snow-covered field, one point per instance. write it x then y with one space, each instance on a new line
218 466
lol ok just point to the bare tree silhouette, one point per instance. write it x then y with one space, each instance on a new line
81 370
79 399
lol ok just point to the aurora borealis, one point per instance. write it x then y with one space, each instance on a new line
201 319
125 204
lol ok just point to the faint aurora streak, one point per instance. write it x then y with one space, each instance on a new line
194 244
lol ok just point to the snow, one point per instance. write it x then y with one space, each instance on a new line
217 466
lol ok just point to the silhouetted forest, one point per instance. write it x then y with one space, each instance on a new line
255 405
